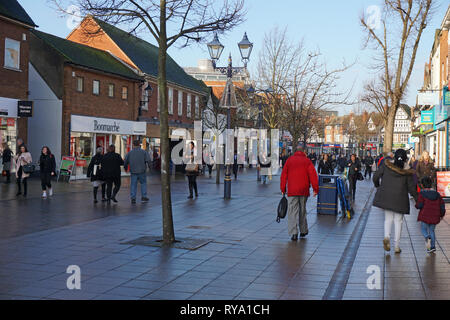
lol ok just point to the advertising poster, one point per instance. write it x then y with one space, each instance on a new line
67 165
443 183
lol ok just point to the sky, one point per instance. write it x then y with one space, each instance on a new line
328 25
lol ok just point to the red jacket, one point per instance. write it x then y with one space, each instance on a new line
299 174
431 206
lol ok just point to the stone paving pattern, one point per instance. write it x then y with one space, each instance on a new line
251 256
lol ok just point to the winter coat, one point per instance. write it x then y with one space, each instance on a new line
369 162
47 164
325 167
21 160
6 155
413 166
426 170
111 163
299 174
96 160
393 189
138 160
431 206
353 167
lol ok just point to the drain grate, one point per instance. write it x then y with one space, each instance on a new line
180 243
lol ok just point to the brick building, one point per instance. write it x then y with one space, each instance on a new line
84 98
15 25
186 95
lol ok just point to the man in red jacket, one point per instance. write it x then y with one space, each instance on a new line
299 174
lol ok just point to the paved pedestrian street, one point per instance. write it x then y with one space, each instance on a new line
250 256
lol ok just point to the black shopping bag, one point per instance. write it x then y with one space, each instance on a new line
282 209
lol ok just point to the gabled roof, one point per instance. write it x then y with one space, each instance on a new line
407 109
13 10
85 56
145 56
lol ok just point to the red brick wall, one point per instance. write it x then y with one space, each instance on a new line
14 84
87 104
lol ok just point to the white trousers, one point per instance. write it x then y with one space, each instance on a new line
396 218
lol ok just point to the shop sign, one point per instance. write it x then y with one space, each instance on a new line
81 163
25 109
427 117
8 107
443 183
67 164
10 122
441 113
428 98
446 96
108 126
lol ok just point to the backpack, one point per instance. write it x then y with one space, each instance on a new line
282 209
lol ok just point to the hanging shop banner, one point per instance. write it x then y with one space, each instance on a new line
8 107
443 183
429 98
440 114
427 117
25 109
67 165
446 96
109 126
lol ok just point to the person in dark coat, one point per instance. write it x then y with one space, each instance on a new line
6 160
235 165
94 172
111 164
432 211
354 167
425 168
192 170
342 163
394 182
47 165
368 163
325 166
413 165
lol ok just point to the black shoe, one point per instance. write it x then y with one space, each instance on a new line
18 193
95 201
145 199
190 197
196 195
302 235
133 201
114 200
104 199
294 237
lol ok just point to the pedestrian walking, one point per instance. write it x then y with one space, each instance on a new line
94 172
432 211
425 168
235 165
7 156
299 175
264 164
368 163
325 166
192 170
394 182
354 172
22 159
47 168
138 160
413 162
210 164
342 163
110 165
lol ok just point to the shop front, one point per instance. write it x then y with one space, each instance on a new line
88 133
8 122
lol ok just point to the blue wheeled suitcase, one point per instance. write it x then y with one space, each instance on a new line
327 199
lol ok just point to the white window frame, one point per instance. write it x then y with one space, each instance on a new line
93 87
111 85
126 93
180 102
11 43
197 107
82 84
188 108
170 101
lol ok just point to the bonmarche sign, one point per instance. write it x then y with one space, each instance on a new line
106 127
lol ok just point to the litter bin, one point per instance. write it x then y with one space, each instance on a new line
327 199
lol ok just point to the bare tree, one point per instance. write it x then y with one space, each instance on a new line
397 40
168 21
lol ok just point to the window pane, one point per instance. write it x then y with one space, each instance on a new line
79 84
111 90
170 101
180 103
12 53
96 87
124 93
188 111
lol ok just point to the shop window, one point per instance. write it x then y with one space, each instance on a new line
111 90
180 103
96 87
124 93
80 84
12 54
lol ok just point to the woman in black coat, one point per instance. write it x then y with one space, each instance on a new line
325 166
192 170
94 172
111 171
47 165
394 180
354 168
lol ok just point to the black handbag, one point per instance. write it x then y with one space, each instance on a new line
359 176
282 209
28 168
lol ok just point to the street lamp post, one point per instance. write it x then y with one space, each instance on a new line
215 49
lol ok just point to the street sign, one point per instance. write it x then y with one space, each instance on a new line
25 109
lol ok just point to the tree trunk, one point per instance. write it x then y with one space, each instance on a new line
168 230
389 128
